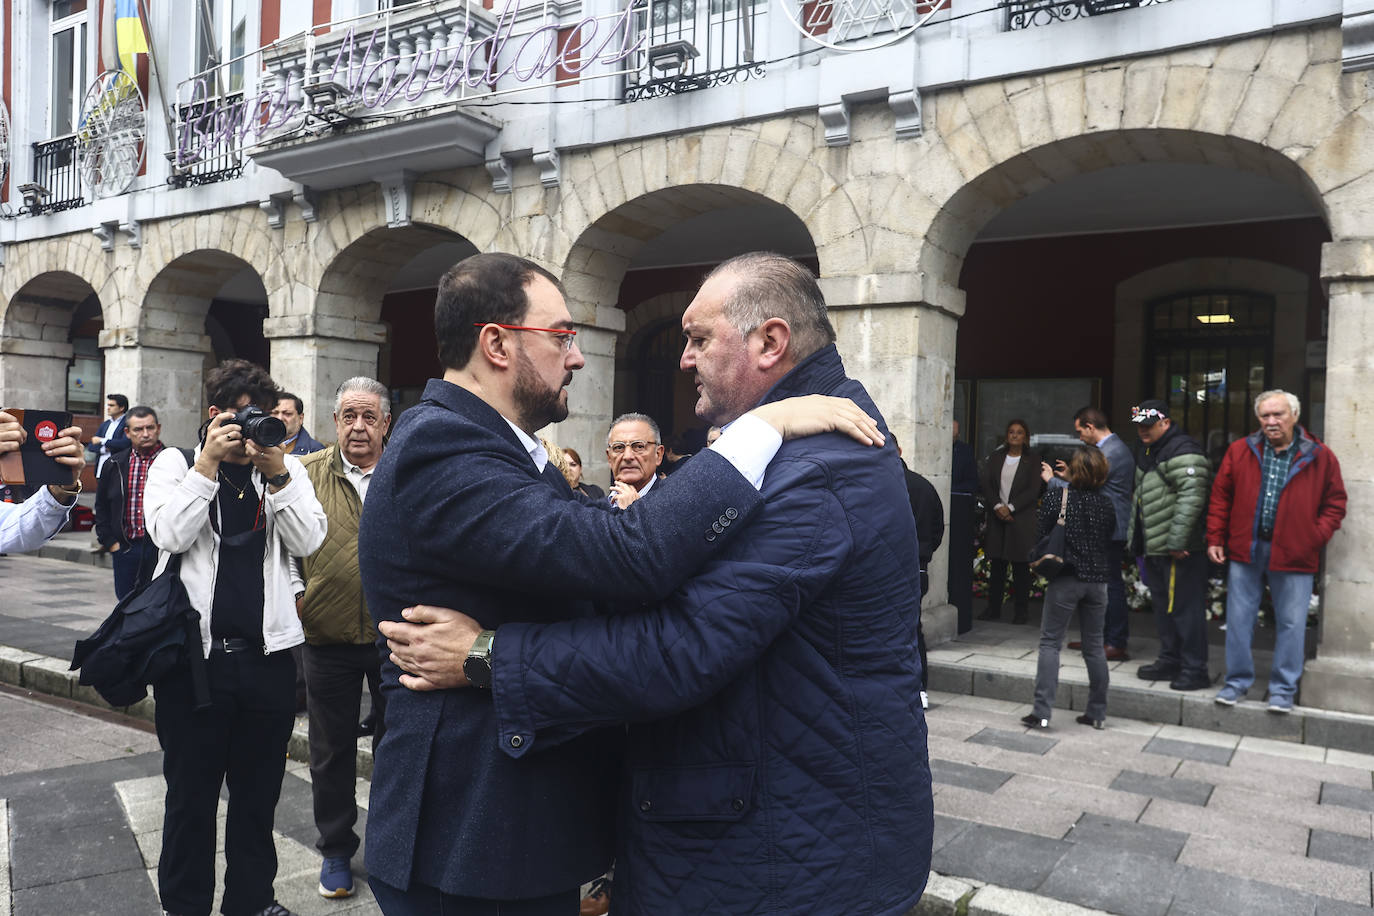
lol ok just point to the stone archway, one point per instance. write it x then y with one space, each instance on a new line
670 236
356 318
163 357
35 338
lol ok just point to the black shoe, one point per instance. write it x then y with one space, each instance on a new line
1084 720
275 909
1019 615
991 614
1031 720
366 728
1190 682
1157 671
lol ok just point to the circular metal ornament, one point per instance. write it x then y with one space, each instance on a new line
858 25
110 141
4 143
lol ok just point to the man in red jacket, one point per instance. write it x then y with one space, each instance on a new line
1277 500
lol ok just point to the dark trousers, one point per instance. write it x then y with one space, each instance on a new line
1067 597
1178 592
997 584
1117 630
239 740
960 542
921 635
423 900
134 562
334 677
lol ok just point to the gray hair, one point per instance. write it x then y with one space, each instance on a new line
636 418
366 386
1292 399
770 285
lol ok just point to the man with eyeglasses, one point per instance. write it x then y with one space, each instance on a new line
634 448
465 509
776 758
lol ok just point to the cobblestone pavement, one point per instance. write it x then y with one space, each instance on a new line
1138 818
81 800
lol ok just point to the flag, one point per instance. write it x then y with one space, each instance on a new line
129 35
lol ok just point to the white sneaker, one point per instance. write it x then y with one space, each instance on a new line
925 700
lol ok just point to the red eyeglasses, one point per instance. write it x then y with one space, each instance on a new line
564 335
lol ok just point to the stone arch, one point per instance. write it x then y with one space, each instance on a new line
353 283
164 355
963 215
35 338
613 199
77 254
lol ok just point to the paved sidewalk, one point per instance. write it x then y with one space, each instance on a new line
1140 818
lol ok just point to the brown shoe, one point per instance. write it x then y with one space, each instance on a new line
598 899
1116 654
1076 645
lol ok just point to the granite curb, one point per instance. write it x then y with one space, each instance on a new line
1158 703
51 676
947 895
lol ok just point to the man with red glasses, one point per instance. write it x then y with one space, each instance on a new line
465 509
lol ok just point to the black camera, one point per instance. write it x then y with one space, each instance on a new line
256 424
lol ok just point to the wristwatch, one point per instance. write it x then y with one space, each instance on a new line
477 666
280 480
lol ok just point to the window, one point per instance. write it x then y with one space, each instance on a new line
221 41
1209 354
68 60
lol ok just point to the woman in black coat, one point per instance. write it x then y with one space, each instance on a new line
1080 589
1011 488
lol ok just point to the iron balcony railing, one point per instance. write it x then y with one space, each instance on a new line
1022 14
56 169
695 44
205 155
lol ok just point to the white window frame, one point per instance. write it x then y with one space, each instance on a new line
83 63
222 11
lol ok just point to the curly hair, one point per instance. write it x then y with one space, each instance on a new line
233 378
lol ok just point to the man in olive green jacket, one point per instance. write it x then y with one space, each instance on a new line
340 641
1172 484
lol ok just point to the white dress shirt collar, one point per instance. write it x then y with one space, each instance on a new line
538 454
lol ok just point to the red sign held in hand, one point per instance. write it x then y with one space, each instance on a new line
46 431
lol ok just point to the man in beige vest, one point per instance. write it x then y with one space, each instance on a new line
340 650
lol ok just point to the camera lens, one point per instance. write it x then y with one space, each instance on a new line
266 431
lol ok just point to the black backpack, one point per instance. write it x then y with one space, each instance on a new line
153 631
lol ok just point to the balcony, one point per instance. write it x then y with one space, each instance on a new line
1023 14
56 181
374 95
205 157
694 44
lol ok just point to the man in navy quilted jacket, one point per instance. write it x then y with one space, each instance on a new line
776 754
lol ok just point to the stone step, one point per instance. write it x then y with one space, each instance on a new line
1153 701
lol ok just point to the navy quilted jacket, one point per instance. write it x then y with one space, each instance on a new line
777 753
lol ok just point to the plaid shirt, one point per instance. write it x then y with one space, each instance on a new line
1273 475
134 527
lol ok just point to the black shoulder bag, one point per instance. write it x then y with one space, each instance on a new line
1047 556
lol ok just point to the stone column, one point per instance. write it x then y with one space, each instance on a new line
164 370
1342 675
312 355
896 334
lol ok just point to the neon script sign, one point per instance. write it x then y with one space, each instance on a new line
363 75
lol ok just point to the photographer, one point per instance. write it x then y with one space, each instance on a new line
237 514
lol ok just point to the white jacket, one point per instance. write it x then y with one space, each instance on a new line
176 507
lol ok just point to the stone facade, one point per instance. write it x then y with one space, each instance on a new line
891 220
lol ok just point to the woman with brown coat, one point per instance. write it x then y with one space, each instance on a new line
1011 488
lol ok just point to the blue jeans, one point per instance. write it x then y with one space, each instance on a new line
1291 592
134 563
